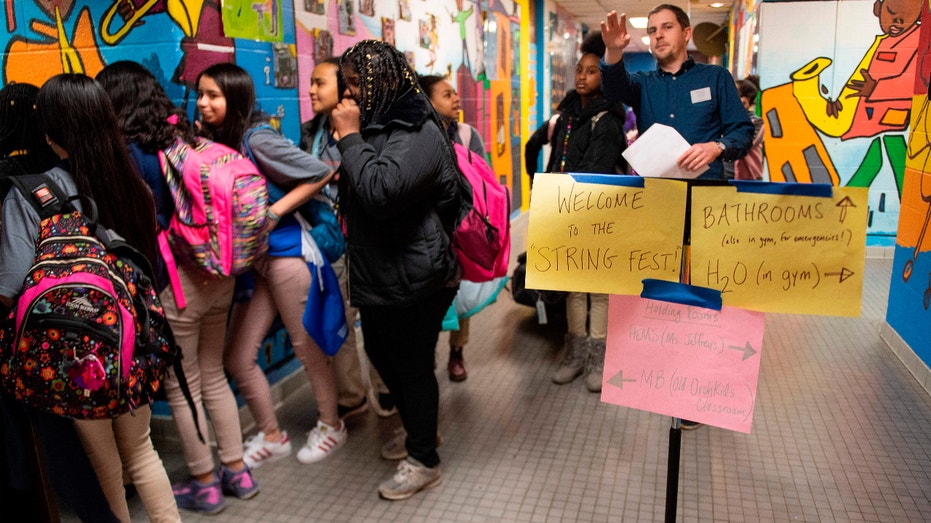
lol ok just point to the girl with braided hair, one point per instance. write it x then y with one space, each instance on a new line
400 198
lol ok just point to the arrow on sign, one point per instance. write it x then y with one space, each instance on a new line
619 381
747 350
843 204
844 274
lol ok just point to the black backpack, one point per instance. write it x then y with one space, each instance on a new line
87 336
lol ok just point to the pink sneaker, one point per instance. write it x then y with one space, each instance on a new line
198 497
240 484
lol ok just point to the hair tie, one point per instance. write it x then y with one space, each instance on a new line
173 119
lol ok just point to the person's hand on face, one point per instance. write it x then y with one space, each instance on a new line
346 117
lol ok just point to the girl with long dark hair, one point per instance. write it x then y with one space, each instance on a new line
282 278
81 128
400 198
24 150
150 122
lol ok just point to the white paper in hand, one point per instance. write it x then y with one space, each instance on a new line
654 153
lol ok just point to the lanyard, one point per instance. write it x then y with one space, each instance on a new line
565 145
318 139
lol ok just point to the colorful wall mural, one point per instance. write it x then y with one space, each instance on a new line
474 43
909 310
837 102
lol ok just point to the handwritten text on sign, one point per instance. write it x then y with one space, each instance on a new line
780 253
683 361
589 237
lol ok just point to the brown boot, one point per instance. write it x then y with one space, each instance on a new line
456 366
574 358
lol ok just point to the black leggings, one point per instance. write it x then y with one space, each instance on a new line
400 342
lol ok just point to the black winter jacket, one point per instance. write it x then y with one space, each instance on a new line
591 148
400 197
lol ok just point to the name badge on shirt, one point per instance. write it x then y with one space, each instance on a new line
701 95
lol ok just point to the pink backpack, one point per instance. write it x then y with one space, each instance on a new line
482 240
221 208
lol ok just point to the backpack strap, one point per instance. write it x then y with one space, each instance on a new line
171 266
45 196
465 134
596 118
245 139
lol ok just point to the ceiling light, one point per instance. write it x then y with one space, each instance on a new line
716 5
645 40
638 22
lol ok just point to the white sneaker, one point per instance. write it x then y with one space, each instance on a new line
411 477
322 441
258 451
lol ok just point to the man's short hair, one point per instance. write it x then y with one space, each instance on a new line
681 17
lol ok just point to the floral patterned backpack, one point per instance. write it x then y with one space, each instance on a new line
87 337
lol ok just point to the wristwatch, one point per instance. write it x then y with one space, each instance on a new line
721 146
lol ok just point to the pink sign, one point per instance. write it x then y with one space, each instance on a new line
683 361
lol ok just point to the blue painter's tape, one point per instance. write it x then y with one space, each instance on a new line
820 190
625 180
681 293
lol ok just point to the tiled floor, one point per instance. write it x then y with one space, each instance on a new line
840 433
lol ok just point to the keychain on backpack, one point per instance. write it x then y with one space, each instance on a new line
541 311
87 372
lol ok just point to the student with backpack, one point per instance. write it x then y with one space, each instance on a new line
151 124
81 128
400 199
37 448
282 277
445 101
586 136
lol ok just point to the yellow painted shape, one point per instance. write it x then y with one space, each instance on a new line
35 62
113 38
797 136
806 85
186 13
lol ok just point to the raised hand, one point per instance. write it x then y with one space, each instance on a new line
615 35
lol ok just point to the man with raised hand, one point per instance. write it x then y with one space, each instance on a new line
699 101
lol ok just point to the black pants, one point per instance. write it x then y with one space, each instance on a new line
400 342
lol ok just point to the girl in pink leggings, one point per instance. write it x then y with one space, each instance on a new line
281 277
150 123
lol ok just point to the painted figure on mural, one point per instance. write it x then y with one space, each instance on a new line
460 17
884 88
876 100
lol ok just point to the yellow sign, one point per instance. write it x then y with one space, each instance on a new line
795 254
604 237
